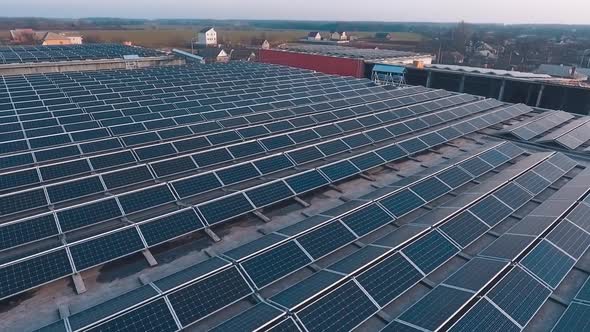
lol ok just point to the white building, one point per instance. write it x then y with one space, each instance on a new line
338 35
314 35
207 37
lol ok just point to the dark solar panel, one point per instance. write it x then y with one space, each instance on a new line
276 263
548 263
402 203
326 239
367 219
103 249
237 173
27 231
340 170
306 181
484 317
475 274
491 210
305 289
196 185
146 198
389 278
430 251
225 208
170 226
269 194
464 229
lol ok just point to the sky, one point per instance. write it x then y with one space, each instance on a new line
475 11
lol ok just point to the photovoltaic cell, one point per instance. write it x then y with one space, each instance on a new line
305 289
464 228
250 319
367 219
103 249
152 317
26 231
273 164
196 185
519 295
237 173
575 318
475 274
570 239
430 251
491 210
269 194
436 307
430 189
548 263
341 310
340 170
146 198
171 226
513 196
326 239
225 208
401 203
306 181
454 177
484 317
389 278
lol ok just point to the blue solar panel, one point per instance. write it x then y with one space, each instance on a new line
276 263
464 229
367 219
196 185
402 203
212 157
170 226
306 181
575 318
326 239
340 170
391 153
22 201
75 189
269 194
430 251
146 198
25 231
225 208
484 317
548 263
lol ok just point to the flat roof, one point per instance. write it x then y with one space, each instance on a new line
255 196
348 52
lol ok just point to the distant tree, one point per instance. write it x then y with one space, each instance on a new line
461 36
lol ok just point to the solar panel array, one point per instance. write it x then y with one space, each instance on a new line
38 53
347 52
98 166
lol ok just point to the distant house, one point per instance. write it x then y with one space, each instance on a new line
213 54
314 35
242 54
22 36
52 38
74 37
261 43
383 35
207 37
338 35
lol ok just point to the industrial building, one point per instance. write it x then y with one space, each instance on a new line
338 60
260 197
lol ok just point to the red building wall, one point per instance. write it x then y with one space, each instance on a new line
320 63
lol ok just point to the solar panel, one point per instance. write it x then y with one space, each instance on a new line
103 249
306 155
548 263
225 208
367 219
306 288
237 173
19 179
277 142
430 189
430 251
25 231
171 226
196 185
391 153
475 274
111 160
152 317
491 211
64 170
340 170
146 198
22 201
513 196
306 181
519 295
269 194
276 263
33 272
111 307
74 189
484 317
340 310
389 278
250 319
533 182
246 149
326 239
212 157
402 203
464 229
413 145
436 307
569 238
367 161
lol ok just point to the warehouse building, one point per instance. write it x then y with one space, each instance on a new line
338 60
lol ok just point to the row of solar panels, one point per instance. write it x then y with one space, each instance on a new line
570 134
381 283
75 52
108 99
87 214
575 317
194 185
248 148
159 76
96 250
378 281
153 117
171 122
385 279
209 273
155 121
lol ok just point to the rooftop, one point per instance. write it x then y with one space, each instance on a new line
248 196
347 52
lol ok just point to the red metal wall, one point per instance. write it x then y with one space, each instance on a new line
321 63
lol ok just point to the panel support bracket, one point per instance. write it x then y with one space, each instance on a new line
149 257
79 283
302 202
261 216
212 235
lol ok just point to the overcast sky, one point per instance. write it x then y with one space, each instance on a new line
499 11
